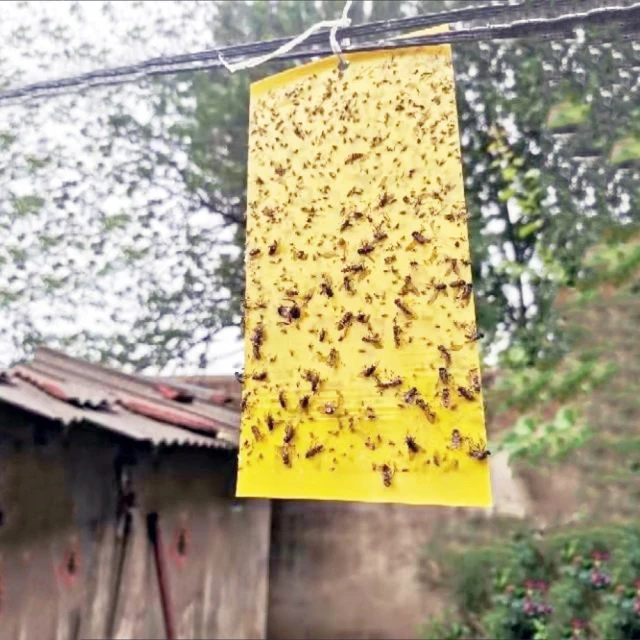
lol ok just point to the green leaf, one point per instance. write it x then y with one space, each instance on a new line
567 116
525 426
6 139
28 204
36 162
529 229
504 195
118 221
625 151
509 174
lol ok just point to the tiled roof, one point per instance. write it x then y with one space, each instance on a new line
160 411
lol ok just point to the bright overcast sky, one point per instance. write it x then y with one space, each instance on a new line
48 40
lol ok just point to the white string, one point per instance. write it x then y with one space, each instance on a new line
334 25
344 21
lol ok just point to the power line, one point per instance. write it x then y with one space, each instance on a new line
625 18
210 59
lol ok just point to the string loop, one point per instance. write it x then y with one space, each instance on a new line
341 23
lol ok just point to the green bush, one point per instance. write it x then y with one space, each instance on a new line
472 589
446 628
583 586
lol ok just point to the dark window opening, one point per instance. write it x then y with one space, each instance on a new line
40 436
72 563
182 543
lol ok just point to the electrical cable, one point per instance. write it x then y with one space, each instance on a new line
147 67
626 18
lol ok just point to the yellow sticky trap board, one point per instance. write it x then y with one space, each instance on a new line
362 374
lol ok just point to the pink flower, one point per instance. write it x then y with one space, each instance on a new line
599 579
542 585
600 556
528 607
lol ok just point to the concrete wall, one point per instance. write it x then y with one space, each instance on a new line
342 570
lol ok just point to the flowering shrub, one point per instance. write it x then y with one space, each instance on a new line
520 611
447 628
576 589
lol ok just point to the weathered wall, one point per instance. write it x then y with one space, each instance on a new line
67 571
53 499
343 570
359 571
217 549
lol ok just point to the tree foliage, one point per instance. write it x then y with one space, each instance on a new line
125 227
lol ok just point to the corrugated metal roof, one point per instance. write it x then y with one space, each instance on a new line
69 390
221 390
56 364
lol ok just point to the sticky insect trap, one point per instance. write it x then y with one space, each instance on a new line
362 373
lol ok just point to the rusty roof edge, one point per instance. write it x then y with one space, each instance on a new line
115 397
37 410
127 383
54 373
197 390
182 435
174 416
209 379
5 377
172 435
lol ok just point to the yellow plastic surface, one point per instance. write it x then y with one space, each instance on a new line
358 256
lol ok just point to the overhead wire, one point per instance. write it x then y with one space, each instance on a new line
341 23
625 17
213 58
